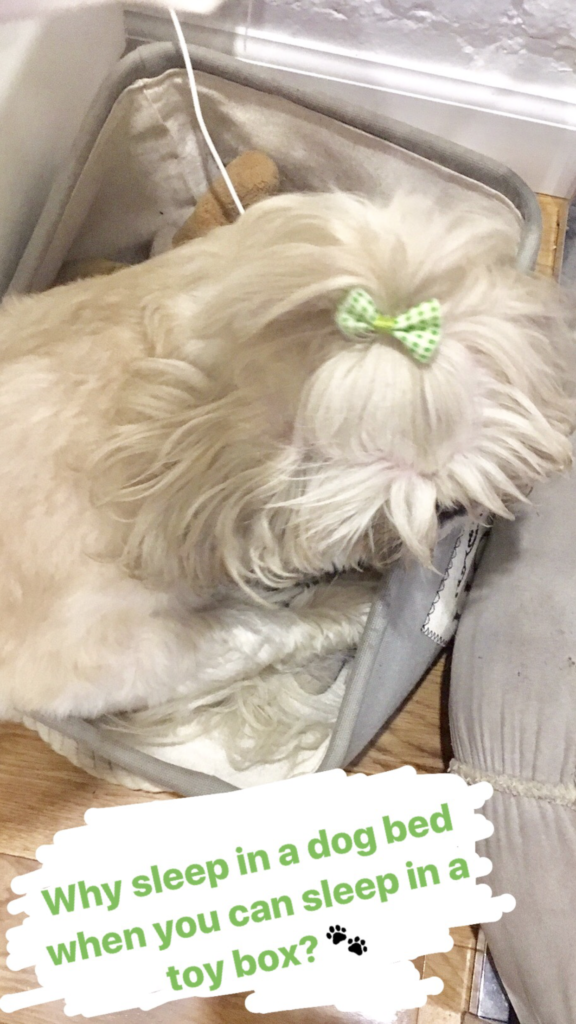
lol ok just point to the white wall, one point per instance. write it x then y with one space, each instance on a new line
527 43
49 72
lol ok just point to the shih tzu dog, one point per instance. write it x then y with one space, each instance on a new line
292 398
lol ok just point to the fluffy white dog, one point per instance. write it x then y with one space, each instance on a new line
181 441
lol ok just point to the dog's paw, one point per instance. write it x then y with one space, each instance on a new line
347 597
337 611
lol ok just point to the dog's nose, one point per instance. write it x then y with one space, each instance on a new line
445 514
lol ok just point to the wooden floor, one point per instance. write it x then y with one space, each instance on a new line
40 793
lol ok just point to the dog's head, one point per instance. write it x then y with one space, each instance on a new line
368 444
317 451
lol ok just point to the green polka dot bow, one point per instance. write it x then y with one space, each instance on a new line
418 328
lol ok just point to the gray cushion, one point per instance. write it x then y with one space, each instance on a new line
513 719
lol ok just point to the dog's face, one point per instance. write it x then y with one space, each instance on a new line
361 444
314 451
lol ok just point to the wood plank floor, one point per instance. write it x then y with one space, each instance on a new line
41 793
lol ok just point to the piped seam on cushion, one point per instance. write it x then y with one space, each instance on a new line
560 794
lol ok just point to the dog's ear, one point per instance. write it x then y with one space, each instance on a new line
411 506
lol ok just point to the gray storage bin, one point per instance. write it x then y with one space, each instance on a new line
139 163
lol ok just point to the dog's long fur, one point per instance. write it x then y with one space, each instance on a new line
196 428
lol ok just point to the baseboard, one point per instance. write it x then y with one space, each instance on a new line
530 131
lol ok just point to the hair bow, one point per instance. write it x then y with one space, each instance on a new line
418 328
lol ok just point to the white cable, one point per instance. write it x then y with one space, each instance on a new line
198 111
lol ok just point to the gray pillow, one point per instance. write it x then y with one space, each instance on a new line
513 720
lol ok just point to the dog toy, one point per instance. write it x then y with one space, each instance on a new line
418 328
254 175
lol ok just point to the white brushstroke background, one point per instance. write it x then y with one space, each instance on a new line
120 843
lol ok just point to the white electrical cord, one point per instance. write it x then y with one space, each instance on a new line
198 111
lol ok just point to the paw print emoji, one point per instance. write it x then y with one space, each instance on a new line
336 934
357 945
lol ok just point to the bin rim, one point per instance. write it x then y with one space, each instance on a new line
153 59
